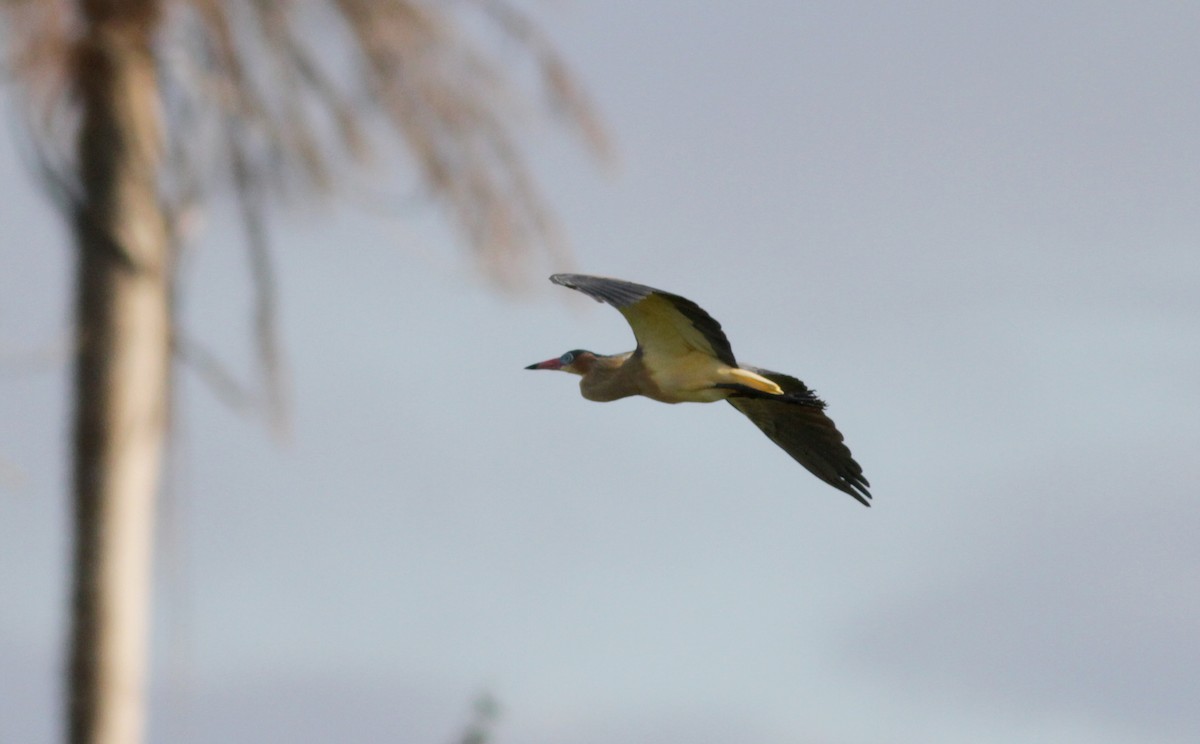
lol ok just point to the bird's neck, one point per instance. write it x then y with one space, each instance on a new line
611 378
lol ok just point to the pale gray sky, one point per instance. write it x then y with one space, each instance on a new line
972 229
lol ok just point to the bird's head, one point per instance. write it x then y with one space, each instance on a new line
577 362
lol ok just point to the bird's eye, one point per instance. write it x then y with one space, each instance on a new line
567 358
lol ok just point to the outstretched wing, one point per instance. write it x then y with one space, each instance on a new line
665 325
797 422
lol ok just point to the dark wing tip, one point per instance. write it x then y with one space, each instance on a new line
857 486
616 292
846 476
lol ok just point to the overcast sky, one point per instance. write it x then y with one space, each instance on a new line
972 227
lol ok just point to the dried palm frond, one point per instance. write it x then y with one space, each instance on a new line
282 94
276 98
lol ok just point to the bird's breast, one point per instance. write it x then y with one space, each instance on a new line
687 379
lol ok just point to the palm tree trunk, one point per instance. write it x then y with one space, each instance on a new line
122 319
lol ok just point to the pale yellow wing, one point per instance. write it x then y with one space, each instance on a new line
665 325
797 422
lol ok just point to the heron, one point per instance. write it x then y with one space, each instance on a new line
683 356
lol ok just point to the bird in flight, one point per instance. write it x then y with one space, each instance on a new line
682 355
